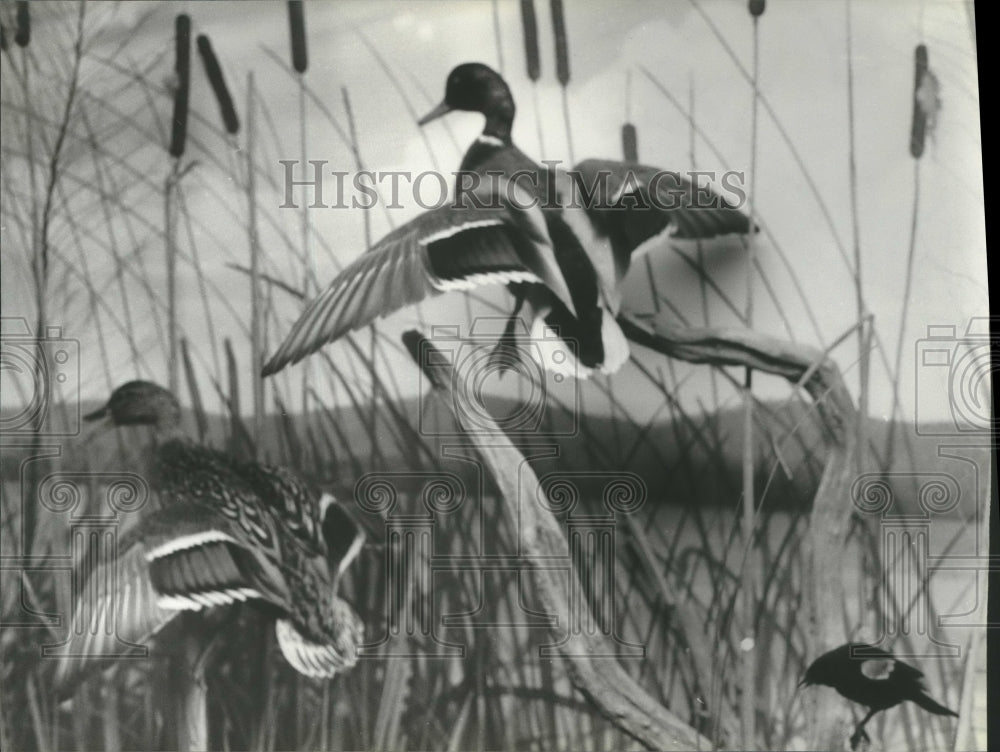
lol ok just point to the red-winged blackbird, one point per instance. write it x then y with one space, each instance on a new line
872 677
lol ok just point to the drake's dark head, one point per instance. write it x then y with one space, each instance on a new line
474 87
140 403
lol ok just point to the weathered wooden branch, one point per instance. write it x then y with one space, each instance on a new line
605 683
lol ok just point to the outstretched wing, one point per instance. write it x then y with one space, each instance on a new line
630 203
484 238
444 249
182 558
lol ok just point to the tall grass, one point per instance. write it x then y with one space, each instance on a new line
683 584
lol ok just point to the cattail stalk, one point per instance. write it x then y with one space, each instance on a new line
237 446
497 36
373 334
630 140
562 67
748 646
170 241
699 245
864 332
188 686
256 352
178 137
110 717
532 61
918 132
197 404
41 225
300 63
213 71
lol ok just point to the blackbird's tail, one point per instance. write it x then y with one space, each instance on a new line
932 706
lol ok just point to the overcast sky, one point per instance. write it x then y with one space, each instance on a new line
803 75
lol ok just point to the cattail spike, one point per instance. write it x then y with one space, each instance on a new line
926 102
182 66
630 143
218 82
23 34
530 24
918 128
3 38
297 25
562 45
757 8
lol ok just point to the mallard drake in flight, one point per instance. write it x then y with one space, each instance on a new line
562 241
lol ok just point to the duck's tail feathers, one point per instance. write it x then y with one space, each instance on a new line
932 706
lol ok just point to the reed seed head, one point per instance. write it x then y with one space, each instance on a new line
926 102
218 83
23 34
182 67
529 23
630 143
562 43
297 25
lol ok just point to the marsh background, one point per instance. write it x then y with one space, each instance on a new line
96 213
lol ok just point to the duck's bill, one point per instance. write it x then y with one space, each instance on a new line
441 109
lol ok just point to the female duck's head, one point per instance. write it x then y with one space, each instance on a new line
140 403
474 87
